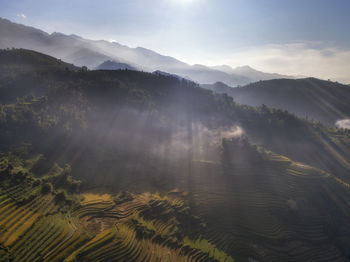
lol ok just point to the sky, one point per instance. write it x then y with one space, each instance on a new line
297 37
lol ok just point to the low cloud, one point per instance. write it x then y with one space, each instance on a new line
233 132
299 59
201 141
345 123
22 16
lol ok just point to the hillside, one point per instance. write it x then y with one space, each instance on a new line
121 165
313 98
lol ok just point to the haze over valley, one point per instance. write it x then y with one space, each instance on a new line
111 152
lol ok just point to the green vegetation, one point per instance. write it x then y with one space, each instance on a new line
132 166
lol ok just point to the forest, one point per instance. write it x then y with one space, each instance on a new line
124 165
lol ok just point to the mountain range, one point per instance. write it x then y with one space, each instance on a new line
96 54
324 101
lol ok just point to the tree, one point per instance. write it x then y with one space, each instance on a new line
61 196
46 188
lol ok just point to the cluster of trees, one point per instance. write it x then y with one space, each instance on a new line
76 115
62 185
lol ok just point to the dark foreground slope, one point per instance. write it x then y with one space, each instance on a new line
316 99
130 166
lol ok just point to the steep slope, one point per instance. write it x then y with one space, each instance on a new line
234 182
316 99
24 63
23 60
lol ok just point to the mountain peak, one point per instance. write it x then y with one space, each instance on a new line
114 65
245 67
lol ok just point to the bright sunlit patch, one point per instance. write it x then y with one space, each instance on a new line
92 198
182 2
345 123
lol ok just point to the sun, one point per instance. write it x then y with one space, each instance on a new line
182 2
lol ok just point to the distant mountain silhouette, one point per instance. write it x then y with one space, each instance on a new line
113 65
219 87
317 99
91 53
161 73
250 73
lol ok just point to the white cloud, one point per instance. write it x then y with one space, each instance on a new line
295 59
22 16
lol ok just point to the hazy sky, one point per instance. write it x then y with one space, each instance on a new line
307 37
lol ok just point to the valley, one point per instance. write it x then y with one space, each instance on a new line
122 165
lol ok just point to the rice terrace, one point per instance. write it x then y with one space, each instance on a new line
174 130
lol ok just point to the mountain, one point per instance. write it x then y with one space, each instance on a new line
250 73
324 101
113 65
90 53
218 87
122 165
169 75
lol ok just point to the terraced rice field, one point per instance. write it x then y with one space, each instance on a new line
279 211
275 210
143 227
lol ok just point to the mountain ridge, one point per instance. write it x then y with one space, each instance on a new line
91 53
321 100
251 73
114 65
